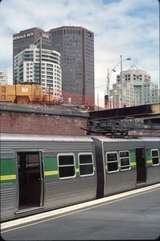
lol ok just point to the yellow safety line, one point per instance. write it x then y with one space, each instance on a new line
133 163
149 161
7 177
51 173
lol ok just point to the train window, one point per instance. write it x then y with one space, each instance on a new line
66 165
124 160
155 157
86 164
112 162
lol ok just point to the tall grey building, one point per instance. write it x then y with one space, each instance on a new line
76 45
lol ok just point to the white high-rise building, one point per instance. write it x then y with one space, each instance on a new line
155 93
40 66
133 87
3 77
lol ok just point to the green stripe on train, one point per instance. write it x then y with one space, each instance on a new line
132 155
7 170
50 167
8 166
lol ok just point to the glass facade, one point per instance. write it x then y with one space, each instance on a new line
76 46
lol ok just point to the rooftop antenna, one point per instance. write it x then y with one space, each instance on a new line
108 82
107 90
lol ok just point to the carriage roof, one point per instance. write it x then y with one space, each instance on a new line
31 137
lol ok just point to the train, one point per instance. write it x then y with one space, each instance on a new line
25 93
41 173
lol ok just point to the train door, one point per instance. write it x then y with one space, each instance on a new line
99 168
141 165
30 179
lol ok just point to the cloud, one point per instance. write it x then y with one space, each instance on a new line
128 28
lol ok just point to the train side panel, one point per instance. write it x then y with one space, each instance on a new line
73 170
120 180
8 190
142 172
153 169
60 192
56 192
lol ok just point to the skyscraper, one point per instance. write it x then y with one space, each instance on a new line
39 66
24 38
76 45
135 88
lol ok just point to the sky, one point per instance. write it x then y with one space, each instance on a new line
121 27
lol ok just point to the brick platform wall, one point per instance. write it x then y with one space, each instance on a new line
13 122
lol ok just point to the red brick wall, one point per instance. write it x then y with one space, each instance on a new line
12 122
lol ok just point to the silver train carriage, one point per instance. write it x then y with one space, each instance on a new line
40 173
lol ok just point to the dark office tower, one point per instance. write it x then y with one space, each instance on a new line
76 45
23 39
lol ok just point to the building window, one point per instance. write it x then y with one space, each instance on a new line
3 89
124 160
66 165
155 157
112 162
85 164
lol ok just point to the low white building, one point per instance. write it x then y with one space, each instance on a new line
133 87
40 66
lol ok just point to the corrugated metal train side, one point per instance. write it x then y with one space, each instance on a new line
39 173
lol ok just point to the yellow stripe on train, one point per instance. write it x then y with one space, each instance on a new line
51 173
7 177
149 162
133 163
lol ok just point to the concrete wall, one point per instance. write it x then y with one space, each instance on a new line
12 121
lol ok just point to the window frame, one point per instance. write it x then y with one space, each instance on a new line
84 164
74 164
126 169
155 156
112 152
